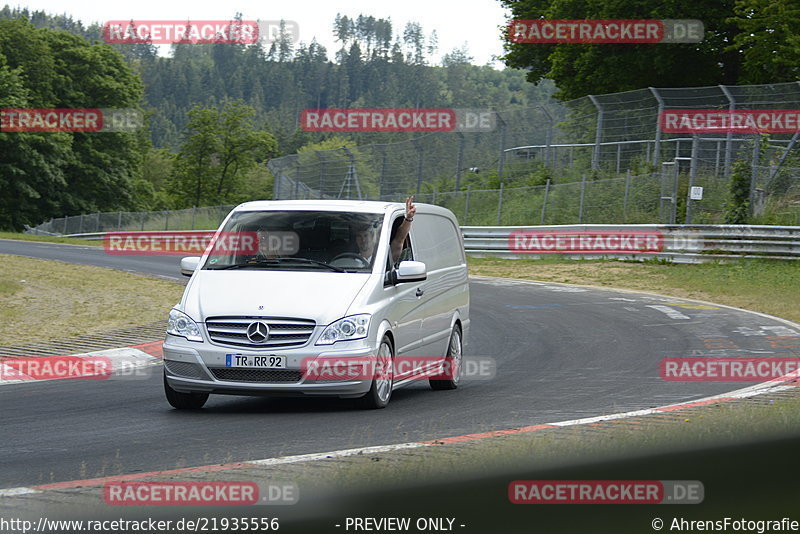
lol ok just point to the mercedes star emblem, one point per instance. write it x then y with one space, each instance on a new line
258 332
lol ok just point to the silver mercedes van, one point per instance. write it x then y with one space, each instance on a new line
320 297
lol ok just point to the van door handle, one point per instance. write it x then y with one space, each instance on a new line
419 292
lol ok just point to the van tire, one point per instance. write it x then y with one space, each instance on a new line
380 392
453 360
184 401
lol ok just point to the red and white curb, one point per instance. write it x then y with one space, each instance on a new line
125 359
773 386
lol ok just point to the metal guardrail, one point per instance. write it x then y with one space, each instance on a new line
97 236
677 243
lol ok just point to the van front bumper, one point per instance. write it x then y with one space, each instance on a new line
192 367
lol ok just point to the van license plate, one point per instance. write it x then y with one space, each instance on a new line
269 361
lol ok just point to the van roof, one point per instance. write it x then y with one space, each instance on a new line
353 206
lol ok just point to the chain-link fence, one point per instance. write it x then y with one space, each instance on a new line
602 135
379 171
206 218
659 196
599 159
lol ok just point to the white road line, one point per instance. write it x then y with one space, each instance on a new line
336 454
14 492
672 313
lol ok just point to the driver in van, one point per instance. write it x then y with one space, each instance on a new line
265 251
365 234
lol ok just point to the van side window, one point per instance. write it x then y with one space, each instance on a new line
439 246
407 253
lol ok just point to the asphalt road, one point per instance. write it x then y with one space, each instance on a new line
562 353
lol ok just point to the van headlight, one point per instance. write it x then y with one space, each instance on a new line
345 329
182 325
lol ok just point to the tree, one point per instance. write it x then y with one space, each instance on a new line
194 163
738 206
579 69
769 40
31 165
221 147
54 174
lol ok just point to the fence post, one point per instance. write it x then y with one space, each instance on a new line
142 220
657 148
548 137
692 175
119 221
625 202
276 183
583 191
466 205
459 159
544 203
500 204
65 224
598 134
754 170
502 157
194 213
80 228
726 171
166 221
420 161
321 170
383 173
675 183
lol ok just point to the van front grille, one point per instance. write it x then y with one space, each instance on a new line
283 332
256 375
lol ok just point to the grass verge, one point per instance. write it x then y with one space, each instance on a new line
49 239
764 286
71 300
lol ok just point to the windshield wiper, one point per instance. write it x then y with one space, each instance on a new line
271 262
313 262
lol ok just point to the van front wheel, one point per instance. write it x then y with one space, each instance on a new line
381 390
451 375
184 401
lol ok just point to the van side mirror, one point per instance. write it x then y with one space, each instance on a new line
189 265
407 271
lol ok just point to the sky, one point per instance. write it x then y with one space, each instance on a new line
474 22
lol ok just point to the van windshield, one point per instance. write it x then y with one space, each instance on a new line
298 241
